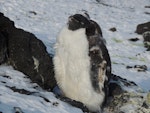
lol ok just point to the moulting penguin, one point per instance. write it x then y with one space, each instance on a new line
82 63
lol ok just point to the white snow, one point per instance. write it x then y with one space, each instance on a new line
33 103
45 18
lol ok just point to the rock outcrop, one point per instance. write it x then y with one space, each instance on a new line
144 29
129 102
141 28
126 97
25 53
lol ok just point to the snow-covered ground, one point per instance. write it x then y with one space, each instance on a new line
45 18
17 91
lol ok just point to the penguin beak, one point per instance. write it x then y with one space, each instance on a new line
70 19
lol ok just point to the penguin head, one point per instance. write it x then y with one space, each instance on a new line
78 21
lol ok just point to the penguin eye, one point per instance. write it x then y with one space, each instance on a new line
96 52
77 21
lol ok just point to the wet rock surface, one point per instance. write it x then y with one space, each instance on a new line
133 39
113 29
139 68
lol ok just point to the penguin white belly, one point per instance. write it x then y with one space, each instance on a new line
72 68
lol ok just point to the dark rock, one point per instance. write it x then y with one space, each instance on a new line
147 6
3 82
124 94
33 12
113 29
146 37
115 89
21 91
140 68
55 104
148 13
6 76
3 48
45 99
119 80
133 39
121 103
129 67
145 105
5 23
141 28
117 85
28 54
